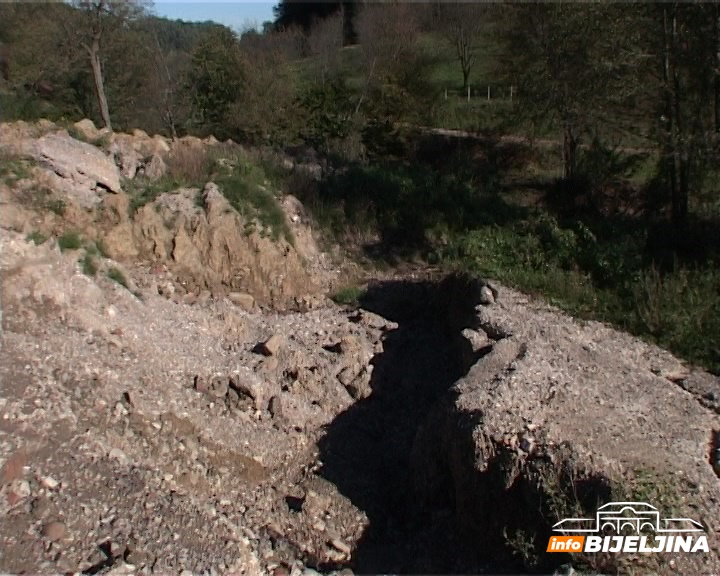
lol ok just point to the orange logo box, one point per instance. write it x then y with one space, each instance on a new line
566 544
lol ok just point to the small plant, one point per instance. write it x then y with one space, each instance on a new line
349 296
89 266
77 134
13 169
200 199
70 241
36 237
117 276
522 545
101 248
57 206
143 192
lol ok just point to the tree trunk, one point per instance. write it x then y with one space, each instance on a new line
717 69
94 52
675 159
570 146
466 77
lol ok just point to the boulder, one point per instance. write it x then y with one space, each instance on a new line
81 163
155 168
127 158
89 131
271 346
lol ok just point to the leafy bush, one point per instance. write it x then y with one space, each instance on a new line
404 205
577 269
70 241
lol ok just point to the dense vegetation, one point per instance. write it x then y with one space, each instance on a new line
605 199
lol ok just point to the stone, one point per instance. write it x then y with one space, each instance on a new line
359 388
119 455
271 346
247 383
49 482
341 545
218 386
82 166
242 300
89 131
54 531
486 296
155 168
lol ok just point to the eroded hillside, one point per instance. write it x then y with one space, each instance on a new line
178 394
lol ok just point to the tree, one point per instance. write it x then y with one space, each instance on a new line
215 78
686 52
96 17
461 25
571 64
290 13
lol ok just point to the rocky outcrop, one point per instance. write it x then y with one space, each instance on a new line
564 414
208 245
201 239
86 166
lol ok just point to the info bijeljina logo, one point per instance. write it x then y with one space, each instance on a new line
628 527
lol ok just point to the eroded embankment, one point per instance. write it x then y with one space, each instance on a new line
489 424
403 456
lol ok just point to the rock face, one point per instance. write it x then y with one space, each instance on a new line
208 246
561 407
84 164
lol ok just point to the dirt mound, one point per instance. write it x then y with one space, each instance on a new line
136 430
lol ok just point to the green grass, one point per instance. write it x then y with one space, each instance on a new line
144 192
97 248
246 187
13 169
36 238
70 241
117 276
601 276
349 295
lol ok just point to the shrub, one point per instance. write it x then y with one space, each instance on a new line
144 192
36 237
349 295
70 241
189 165
56 206
13 169
89 266
681 310
116 275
